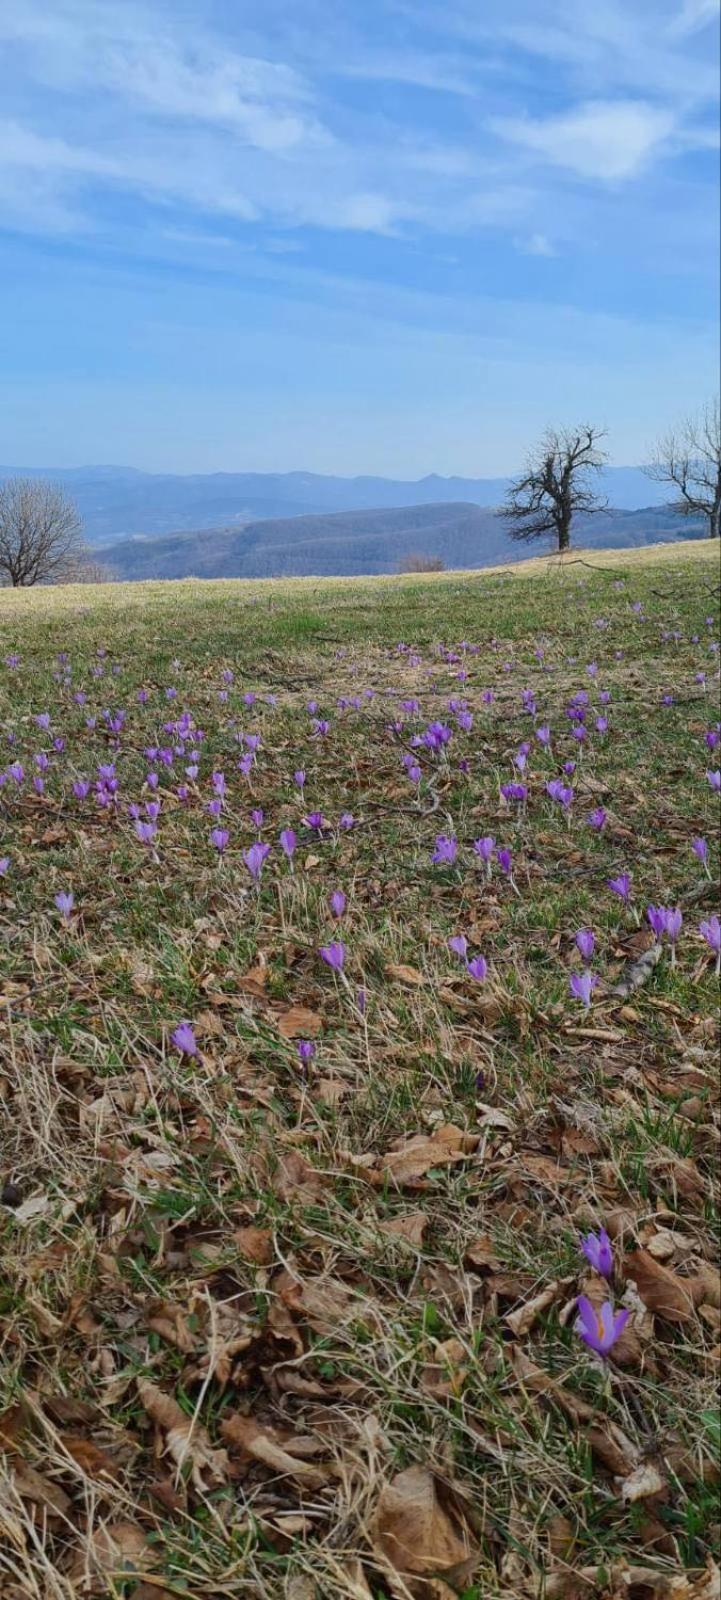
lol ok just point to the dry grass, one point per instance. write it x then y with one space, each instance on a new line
269 1332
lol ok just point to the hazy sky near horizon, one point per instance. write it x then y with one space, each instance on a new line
393 236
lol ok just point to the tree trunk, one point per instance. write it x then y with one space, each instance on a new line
714 522
564 534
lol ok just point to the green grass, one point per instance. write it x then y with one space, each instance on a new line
139 1171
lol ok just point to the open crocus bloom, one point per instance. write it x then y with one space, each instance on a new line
600 1329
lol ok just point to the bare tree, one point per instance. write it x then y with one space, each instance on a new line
40 532
555 486
689 460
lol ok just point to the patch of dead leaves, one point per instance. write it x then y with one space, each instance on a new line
421 1532
408 1161
186 1441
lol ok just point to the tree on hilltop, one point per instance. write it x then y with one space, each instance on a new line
40 533
556 485
688 459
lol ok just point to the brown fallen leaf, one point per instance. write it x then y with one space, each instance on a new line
644 1481
480 1254
296 1179
31 1485
324 1302
114 1548
443 1377
410 1227
404 974
186 1442
169 1322
705 1286
521 1321
255 1244
667 1295
418 1155
420 1529
298 1022
90 1458
272 1450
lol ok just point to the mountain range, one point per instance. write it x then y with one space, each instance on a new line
120 502
257 525
350 543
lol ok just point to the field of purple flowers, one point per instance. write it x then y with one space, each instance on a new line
359 949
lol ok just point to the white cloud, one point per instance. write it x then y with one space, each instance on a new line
694 15
444 73
170 72
610 140
537 245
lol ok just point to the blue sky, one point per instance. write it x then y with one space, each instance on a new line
394 236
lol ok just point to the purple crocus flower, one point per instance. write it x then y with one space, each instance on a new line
621 885
585 942
658 918
458 943
700 849
316 821
254 857
219 839
714 779
543 736
145 832
4 865
597 818
597 1249
256 817
581 985
478 968
65 903
711 931
674 923
446 850
561 792
505 861
306 1051
288 842
514 791
337 902
184 1039
81 788
485 847
299 778
346 821
333 954
600 1329
214 807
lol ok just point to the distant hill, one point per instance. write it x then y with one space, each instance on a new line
118 502
378 540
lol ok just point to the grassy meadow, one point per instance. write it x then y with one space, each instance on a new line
288 1299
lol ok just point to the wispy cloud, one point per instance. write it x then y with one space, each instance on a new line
693 16
610 140
538 244
378 123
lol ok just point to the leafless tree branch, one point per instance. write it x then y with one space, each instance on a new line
689 461
556 486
